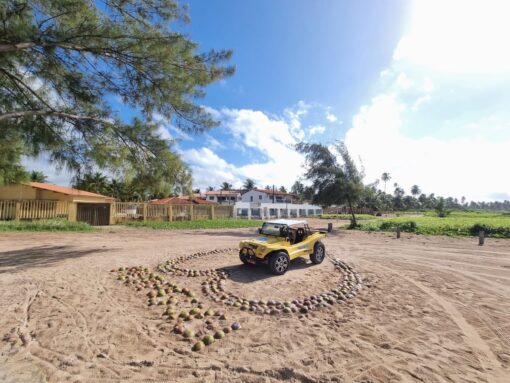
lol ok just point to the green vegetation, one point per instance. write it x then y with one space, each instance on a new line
199 224
61 64
456 224
44 225
347 216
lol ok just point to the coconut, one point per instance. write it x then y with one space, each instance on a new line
236 326
219 334
188 333
198 346
226 330
209 312
208 340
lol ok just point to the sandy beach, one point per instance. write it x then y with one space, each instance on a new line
432 309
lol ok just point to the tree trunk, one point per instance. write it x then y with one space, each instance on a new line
354 223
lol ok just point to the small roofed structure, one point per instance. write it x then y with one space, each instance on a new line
43 200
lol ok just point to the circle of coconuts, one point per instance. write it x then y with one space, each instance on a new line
169 295
214 288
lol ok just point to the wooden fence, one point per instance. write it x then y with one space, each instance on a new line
132 211
119 211
33 209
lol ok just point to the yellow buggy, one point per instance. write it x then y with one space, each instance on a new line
280 241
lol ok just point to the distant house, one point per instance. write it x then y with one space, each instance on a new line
265 203
268 196
81 205
223 197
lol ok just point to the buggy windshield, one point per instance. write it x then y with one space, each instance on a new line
276 229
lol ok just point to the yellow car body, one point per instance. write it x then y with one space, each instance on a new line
292 237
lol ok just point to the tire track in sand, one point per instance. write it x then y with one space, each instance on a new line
473 338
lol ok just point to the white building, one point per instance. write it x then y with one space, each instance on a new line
263 204
223 197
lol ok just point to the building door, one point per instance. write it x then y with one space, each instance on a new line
95 214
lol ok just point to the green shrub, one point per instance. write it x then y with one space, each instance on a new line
457 224
44 225
198 224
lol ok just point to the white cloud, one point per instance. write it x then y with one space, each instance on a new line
331 117
458 36
440 119
468 166
208 168
269 140
316 129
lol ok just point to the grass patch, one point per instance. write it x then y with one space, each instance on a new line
497 226
199 224
347 216
44 225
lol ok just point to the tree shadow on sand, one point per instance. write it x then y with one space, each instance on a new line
252 273
40 256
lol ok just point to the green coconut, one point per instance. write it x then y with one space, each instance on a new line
198 346
188 333
208 340
219 334
209 312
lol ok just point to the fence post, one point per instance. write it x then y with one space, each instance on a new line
212 211
170 213
71 211
191 212
398 231
113 211
481 238
145 211
17 212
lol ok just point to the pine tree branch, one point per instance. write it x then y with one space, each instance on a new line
49 113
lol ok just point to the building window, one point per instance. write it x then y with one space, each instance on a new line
211 198
251 198
260 196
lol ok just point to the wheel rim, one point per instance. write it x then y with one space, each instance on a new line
320 253
281 264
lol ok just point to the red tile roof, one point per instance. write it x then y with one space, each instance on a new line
64 190
223 192
181 201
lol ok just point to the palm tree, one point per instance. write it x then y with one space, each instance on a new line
36 176
415 190
385 178
226 186
249 184
209 188
115 188
282 189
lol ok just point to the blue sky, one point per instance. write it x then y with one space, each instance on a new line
418 89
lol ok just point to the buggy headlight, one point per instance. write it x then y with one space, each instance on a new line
262 248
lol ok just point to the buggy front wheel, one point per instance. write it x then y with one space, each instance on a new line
319 253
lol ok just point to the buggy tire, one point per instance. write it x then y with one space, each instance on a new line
279 263
243 259
319 253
